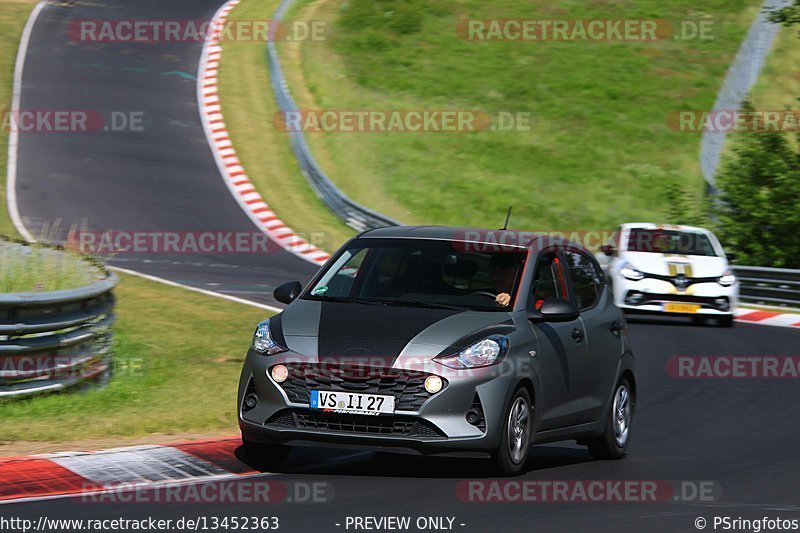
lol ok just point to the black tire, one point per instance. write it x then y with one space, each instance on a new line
725 321
607 445
505 462
263 456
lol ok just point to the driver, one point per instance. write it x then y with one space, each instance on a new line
502 270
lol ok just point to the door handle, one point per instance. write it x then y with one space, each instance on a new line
616 326
577 335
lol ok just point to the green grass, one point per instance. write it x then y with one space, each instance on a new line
249 110
600 151
34 268
13 14
778 86
178 355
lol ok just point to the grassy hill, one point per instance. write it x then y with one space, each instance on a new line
599 152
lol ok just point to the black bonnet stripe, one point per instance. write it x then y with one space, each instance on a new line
371 334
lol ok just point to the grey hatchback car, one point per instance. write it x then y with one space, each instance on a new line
442 340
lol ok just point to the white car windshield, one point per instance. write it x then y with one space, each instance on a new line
675 242
415 272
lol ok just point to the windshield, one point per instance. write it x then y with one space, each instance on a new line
420 273
670 242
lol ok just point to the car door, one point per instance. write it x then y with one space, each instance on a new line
602 323
562 350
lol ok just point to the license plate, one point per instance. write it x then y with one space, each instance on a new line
351 402
681 308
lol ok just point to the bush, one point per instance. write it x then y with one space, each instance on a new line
758 209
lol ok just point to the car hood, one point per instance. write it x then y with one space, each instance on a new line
692 266
380 334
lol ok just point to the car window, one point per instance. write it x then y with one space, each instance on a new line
670 242
586 280
424 273
548 280
341 279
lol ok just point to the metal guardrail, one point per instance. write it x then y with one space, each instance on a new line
769 286
352 213
741 76
54 340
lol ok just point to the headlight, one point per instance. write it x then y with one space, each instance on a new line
727 279
483 353
263 341
630 273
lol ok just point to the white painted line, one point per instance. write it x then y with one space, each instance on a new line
13 136
195 289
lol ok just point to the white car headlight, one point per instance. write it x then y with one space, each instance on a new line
630 273
263 341
485 352
727 279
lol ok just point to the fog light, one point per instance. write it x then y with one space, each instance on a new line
250 401
722 304
634 298
433 384
279 373
473 416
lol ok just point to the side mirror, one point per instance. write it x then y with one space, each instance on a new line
555 310
288 292
731 257
608 249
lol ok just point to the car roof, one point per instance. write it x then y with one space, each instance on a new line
450 233
507 237
651 225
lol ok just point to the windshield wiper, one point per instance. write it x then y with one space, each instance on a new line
343 299
416 303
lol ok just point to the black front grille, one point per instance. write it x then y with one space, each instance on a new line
703 301
676 280
395 426
407 386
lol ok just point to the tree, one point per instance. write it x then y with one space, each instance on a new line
758 210
788 16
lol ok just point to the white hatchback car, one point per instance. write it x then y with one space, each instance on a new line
676 270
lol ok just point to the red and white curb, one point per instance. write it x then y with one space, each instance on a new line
765 317
74 473
229 165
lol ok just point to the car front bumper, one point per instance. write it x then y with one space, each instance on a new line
658 296
438 425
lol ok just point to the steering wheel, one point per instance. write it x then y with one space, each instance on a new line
484 293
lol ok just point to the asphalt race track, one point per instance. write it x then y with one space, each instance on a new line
161 179
739 434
